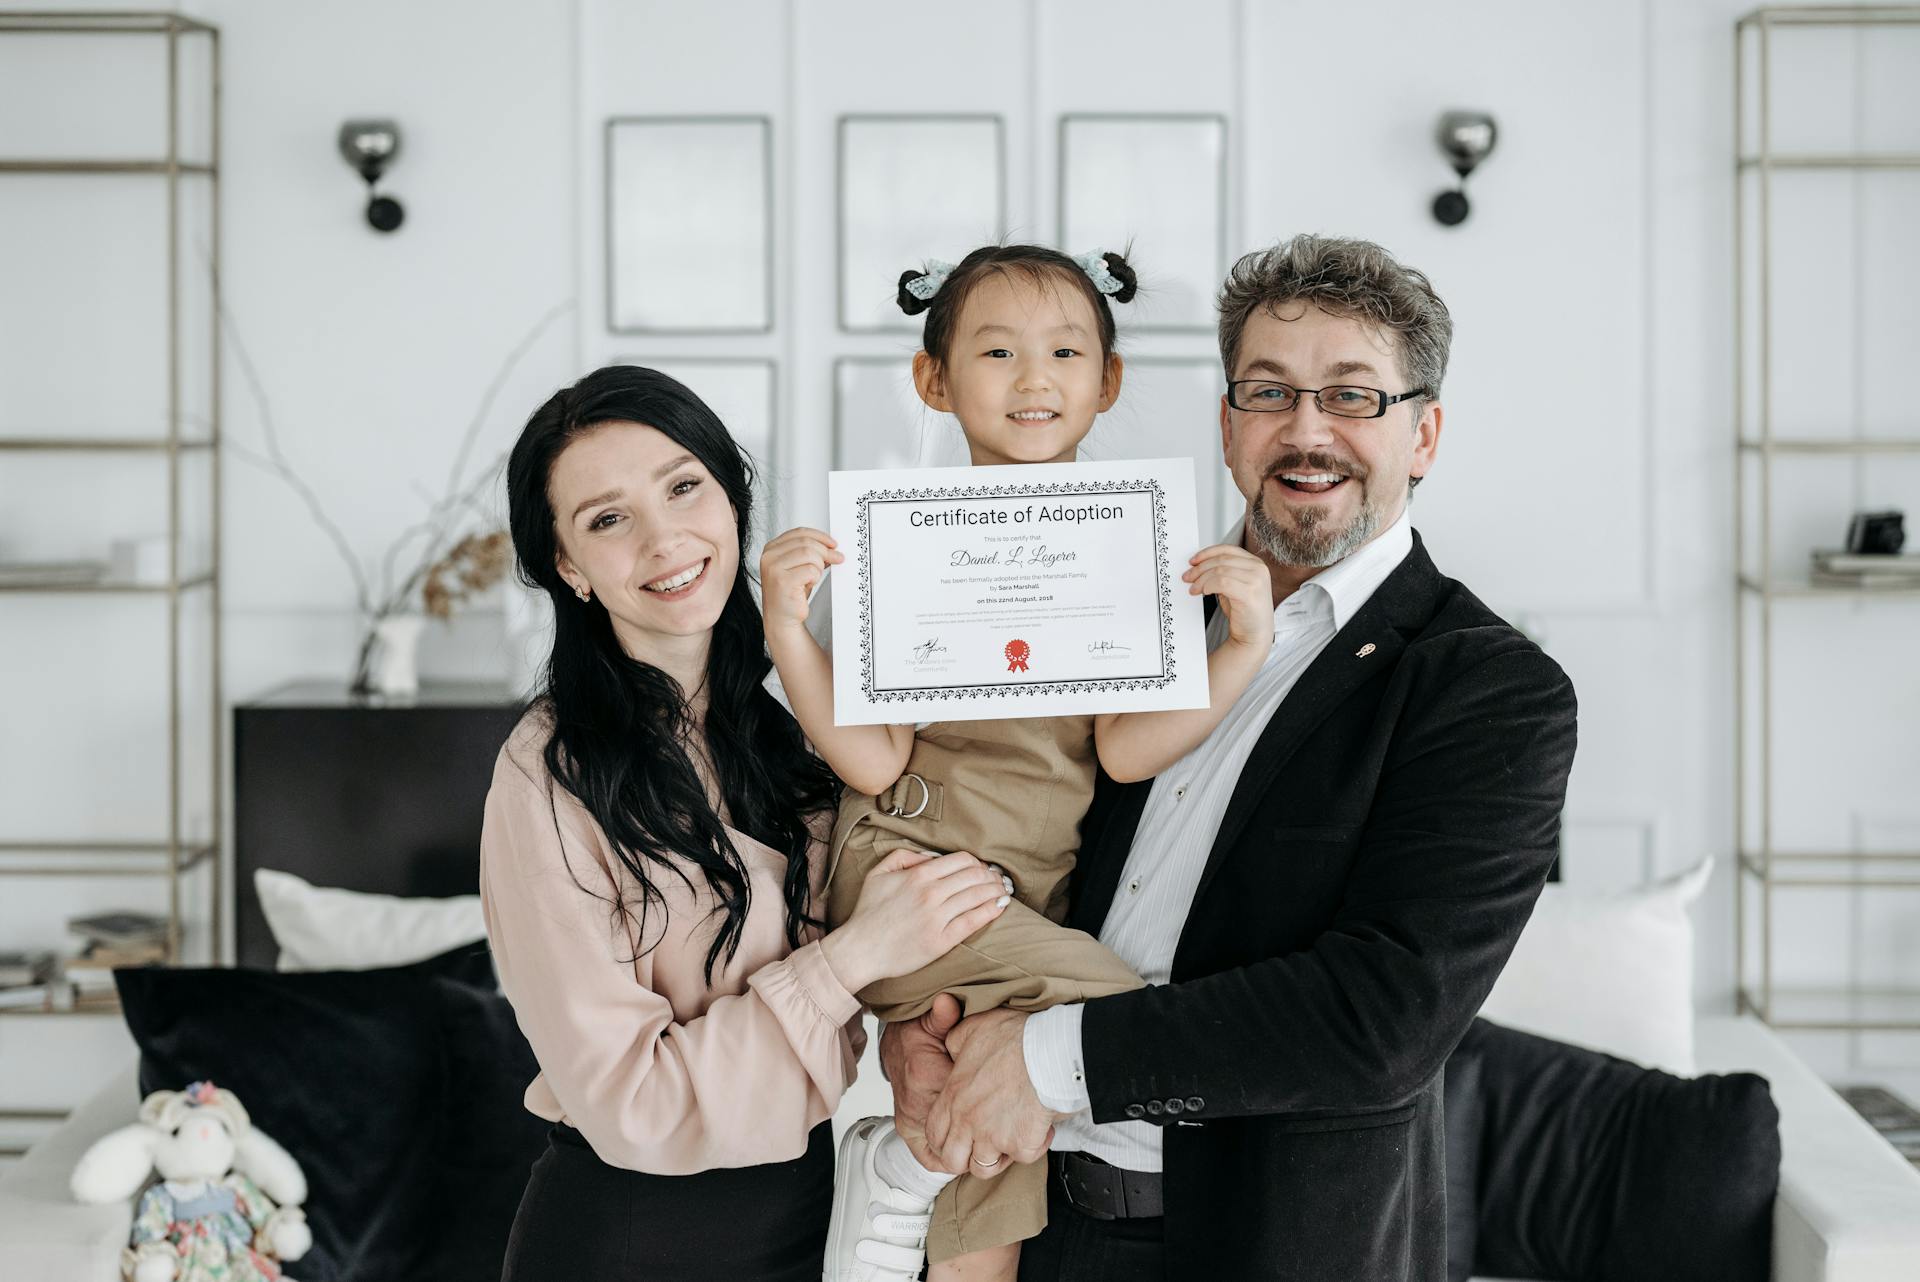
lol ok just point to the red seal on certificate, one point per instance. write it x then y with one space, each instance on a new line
1017 653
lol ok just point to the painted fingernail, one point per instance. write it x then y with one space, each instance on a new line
1002 902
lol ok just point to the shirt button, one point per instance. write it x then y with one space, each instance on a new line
1180 792
1133 887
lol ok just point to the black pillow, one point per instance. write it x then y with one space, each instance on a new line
344 1068
488 1139
1462 1111
1598 1169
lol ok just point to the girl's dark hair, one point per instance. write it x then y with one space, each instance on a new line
621 727
1037 263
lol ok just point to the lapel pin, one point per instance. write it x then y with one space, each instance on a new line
1364 651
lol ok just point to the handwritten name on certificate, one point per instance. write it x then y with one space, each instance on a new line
1037 590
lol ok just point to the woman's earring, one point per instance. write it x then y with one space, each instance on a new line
583 593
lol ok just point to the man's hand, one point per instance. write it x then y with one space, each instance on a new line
988 1111
915 1058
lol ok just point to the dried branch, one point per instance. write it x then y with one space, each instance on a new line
475 564
438 523
276 459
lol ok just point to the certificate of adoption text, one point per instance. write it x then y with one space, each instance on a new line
1033 590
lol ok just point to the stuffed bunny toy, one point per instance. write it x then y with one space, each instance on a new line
226 1208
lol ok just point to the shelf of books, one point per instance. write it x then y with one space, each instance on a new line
125 873
43 982
1816 447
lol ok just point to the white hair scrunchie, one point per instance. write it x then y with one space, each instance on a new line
1095 266
925 286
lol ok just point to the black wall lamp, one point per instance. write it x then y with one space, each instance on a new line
1466 138
370 146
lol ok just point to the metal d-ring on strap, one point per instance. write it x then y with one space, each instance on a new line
926 798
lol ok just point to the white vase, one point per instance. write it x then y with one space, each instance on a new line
393 667
528 617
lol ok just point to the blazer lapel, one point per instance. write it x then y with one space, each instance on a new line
1370 644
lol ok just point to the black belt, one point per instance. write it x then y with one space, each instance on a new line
1104 1191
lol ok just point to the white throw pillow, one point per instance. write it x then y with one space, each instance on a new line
320 928
1611 972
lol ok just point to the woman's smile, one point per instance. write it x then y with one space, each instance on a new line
681 583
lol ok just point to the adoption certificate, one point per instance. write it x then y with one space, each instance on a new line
1032 590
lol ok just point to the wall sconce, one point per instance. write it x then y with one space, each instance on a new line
370 146
1466 138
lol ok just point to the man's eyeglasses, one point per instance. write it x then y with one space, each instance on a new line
1260 396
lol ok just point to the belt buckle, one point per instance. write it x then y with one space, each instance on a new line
1066 1187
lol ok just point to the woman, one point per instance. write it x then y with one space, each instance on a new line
650 860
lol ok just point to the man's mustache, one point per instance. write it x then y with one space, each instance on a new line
1315 461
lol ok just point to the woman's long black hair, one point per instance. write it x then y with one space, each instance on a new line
621 727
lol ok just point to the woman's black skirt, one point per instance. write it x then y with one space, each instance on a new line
581 1218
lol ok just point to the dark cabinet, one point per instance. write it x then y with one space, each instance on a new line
372 796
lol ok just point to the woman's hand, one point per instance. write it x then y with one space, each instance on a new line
1240 580
913 908
790 566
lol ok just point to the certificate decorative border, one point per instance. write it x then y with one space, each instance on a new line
863 534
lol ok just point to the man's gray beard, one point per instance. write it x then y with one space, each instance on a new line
1311 543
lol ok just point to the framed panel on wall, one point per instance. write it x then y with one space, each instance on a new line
1169 407
1159 184
912 188
743 392
879 419
689 224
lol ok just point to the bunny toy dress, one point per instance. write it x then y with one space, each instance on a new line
212 1225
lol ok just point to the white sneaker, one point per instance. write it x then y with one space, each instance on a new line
878 1232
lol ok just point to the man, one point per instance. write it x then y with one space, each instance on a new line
1321 894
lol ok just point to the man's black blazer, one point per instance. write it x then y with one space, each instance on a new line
1384 845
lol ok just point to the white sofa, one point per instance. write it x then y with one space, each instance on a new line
44 1234
1848 1208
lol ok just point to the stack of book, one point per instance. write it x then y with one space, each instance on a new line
112 940
1887 1113
27 980
1871 570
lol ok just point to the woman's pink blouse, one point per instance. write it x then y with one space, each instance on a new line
658 1069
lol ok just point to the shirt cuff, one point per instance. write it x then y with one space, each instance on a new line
1051 1045
808 965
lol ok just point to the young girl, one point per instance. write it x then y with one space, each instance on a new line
1018 346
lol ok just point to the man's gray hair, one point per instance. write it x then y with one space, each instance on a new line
1343 277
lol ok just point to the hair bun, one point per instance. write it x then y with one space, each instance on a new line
1122 271
910 304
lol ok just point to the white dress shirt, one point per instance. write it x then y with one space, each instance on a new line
1177 829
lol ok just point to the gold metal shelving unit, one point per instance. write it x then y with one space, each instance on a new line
1764 870
172 854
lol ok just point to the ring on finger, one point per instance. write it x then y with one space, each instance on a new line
987 1165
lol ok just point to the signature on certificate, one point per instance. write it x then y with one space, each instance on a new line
927 650
1105 648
